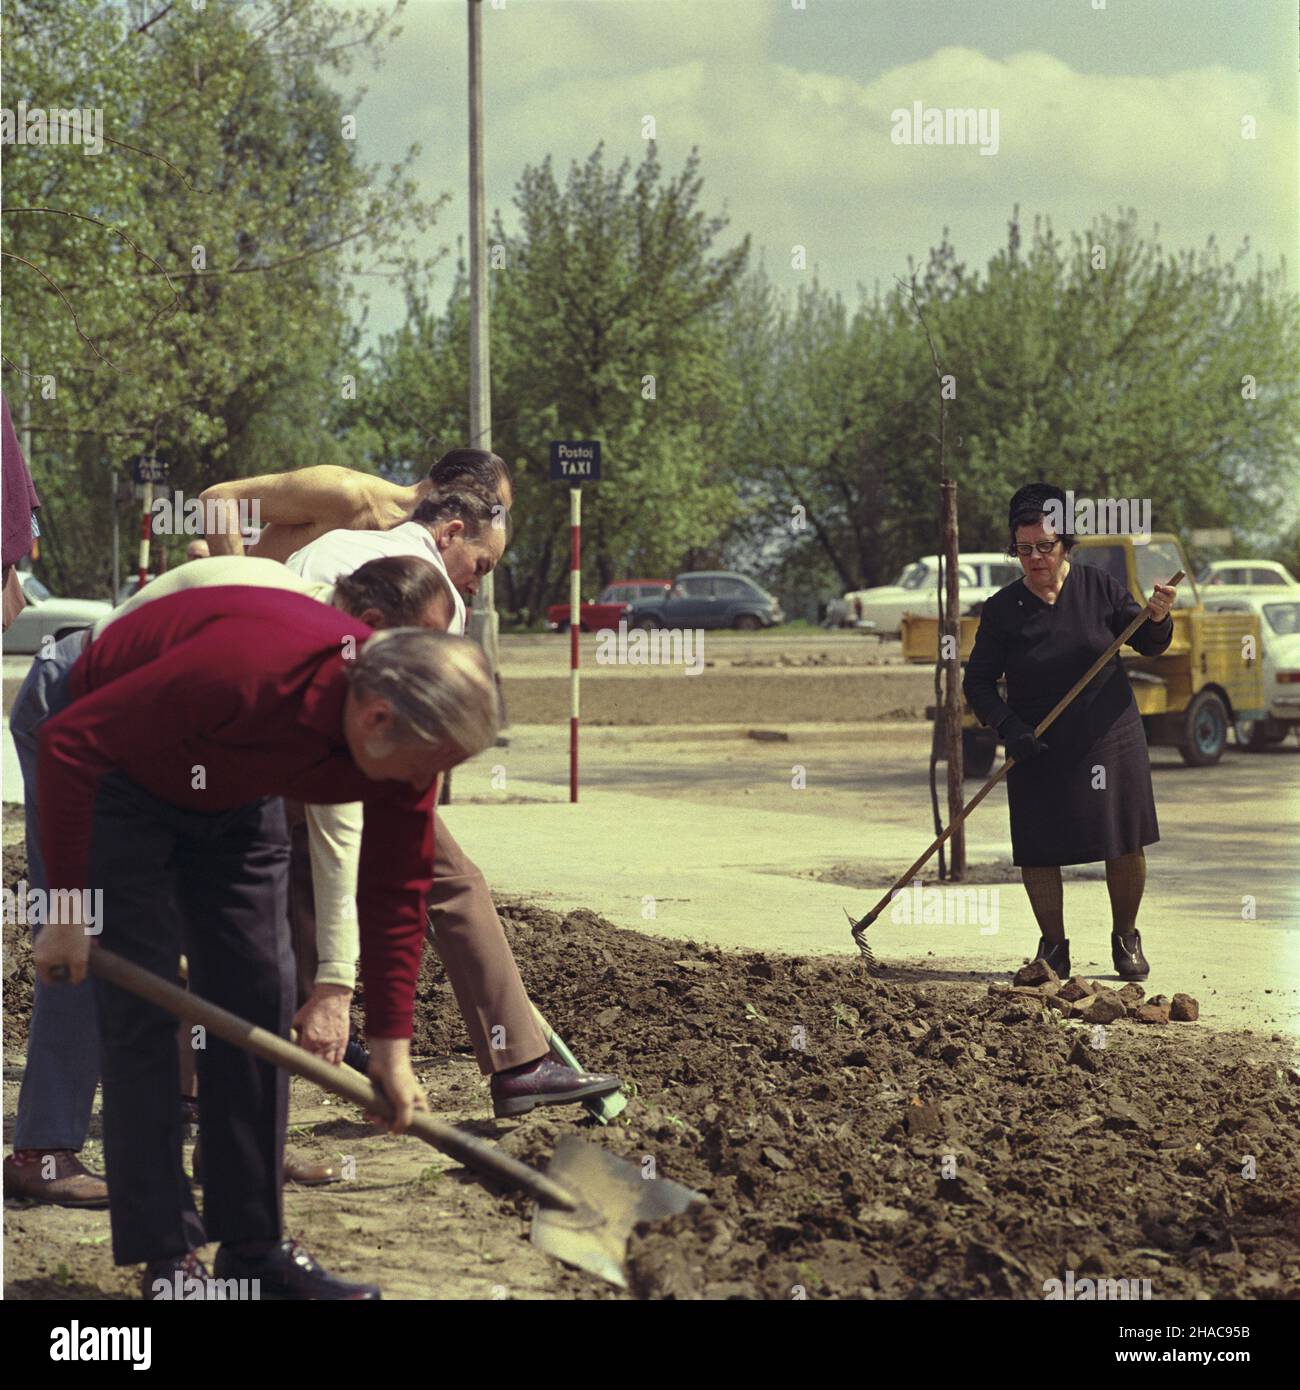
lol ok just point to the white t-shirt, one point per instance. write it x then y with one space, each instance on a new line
217 570
337 553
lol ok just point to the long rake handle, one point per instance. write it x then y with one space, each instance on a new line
859 927
474 1153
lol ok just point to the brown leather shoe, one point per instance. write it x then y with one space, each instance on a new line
306 1172
56 1176
303 1171
545 1082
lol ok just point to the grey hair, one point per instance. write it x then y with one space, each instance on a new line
440 687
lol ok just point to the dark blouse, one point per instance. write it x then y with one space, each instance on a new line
1043 648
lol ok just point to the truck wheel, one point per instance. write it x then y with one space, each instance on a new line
978 749
562 627
1205 730
747 622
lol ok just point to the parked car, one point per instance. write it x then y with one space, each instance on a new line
709 598
1279 639
610 607
1245 573
49 617
881 609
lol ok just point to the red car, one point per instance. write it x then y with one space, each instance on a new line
609 607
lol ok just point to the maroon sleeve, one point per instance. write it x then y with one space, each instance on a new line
394 876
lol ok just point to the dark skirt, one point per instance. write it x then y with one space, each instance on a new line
1085 799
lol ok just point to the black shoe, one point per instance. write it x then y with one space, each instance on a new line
357 1057
284 1270
1056 954
1126 952
177 1277
545 1082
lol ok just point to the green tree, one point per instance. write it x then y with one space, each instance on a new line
186 288
1113 368
607 324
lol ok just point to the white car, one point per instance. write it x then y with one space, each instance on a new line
1245 574
48 617
1279 626
980 576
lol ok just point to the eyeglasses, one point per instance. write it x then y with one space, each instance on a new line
1043 547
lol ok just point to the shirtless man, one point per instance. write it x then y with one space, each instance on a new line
300 506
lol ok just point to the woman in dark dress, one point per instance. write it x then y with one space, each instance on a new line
1083 792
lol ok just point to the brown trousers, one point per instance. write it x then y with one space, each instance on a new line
468 936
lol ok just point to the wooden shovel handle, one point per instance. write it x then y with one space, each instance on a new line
473 1152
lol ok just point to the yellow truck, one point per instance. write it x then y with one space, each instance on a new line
1210 675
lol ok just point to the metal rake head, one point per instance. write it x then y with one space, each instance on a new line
859 929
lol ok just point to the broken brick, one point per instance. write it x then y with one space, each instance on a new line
1103 1008
1037 972
1184 1009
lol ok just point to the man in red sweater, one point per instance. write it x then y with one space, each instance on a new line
159 783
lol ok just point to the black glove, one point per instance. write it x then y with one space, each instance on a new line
1021 741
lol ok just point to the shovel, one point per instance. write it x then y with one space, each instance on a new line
861 925
588 1200
603 1109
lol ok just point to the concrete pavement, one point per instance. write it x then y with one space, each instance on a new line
693 861
726 875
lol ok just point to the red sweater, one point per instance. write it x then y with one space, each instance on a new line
248 685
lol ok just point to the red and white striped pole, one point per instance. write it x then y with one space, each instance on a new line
575 629
145 536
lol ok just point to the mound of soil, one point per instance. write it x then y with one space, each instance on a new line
874 1138
863 1138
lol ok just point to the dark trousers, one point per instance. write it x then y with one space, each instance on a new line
228 874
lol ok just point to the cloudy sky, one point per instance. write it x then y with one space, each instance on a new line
1100 104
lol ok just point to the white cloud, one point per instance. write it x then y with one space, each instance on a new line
803 156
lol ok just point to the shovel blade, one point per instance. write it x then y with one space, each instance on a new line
613 1198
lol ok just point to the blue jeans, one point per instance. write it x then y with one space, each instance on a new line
63 1057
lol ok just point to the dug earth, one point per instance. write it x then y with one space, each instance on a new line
854 1137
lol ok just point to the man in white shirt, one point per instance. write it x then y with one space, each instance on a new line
463 529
